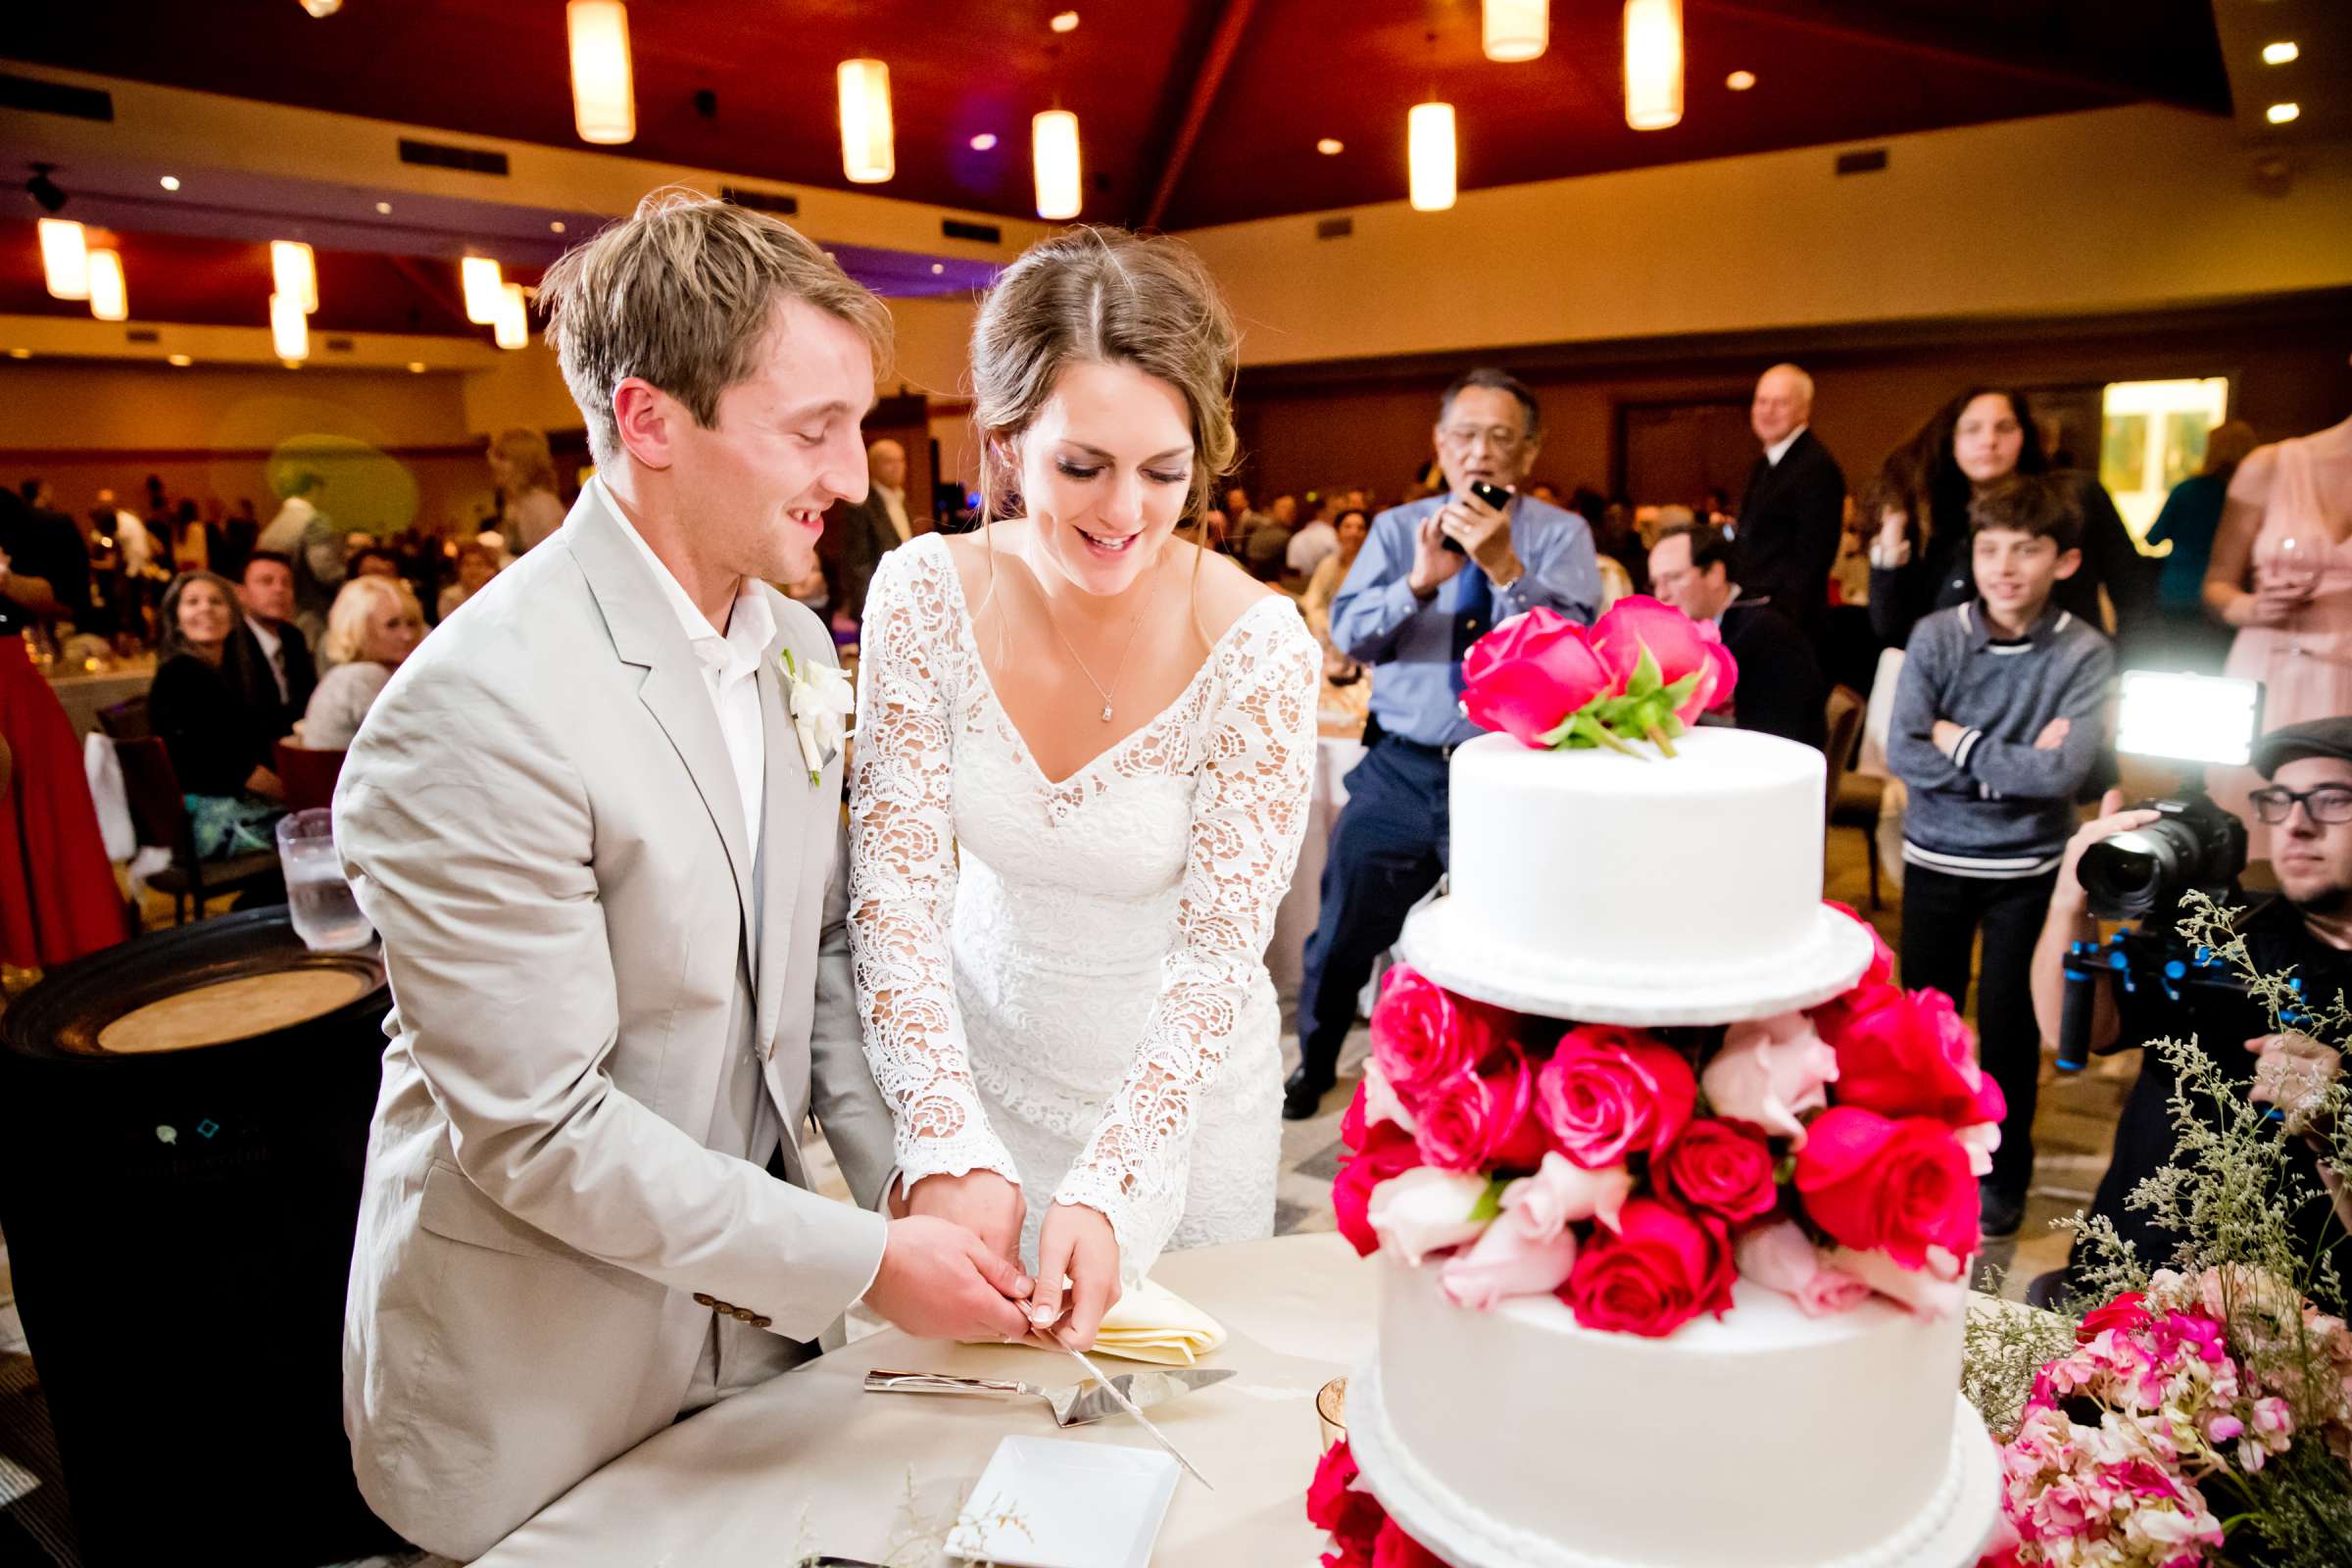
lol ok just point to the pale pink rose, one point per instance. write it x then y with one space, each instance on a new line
1562 1191
1513 1257
1380 1098
1980 1139
1929 1291
1769 1072
1780 1257
1425 1210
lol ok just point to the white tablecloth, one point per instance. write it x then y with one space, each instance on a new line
810 1462
1302 905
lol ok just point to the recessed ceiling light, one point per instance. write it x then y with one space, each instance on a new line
383 208
983 142
1741 81
20 354
2280 114
938 268
291 364
171 183
1065 21
1331 146
555 226
2280 53
180 360
415 366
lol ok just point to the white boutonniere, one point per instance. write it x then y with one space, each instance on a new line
820 699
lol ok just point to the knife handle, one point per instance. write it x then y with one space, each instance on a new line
879 1382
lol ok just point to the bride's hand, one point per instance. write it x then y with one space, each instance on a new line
981 1202
1076 1242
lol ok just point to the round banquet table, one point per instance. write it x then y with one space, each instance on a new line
810 1462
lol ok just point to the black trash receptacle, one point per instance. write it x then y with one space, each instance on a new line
184 1123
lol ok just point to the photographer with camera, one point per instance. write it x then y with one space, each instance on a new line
2138 857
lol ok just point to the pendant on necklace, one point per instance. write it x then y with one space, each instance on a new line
1106 712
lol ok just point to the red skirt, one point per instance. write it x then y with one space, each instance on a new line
58 895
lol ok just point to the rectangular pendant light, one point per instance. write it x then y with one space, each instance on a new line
867 156
65 259
294 271
289 328
604 99
1653 64
1512 30
109 301
513 323
479 276
1053 154
1428 154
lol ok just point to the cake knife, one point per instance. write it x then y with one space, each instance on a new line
1136 1410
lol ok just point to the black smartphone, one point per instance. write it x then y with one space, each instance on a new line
1493 495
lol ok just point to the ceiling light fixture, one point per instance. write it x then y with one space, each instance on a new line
513 328
478 276
604 101
1741 81
178 361
383 208
2283 53
1331 146
1065 21
984 142
938 268
289 330
20 354
65 259
294 271
867 156
171 183
1512 30
109 301
1429 157
2281 113
415 366
1653 64
322 7
1055 163
556 228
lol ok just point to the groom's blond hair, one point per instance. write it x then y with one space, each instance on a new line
679 294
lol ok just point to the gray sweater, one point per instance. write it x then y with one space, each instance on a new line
1995 806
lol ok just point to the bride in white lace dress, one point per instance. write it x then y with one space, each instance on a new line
1083 757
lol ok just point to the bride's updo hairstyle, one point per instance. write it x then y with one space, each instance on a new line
1107 296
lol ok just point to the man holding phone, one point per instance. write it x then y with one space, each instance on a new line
1432 579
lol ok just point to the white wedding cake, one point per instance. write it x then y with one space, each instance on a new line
1651 892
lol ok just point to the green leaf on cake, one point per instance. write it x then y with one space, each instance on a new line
1490 1202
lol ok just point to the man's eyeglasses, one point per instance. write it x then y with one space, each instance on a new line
1462 437
2331 803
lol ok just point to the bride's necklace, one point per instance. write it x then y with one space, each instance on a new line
1121 669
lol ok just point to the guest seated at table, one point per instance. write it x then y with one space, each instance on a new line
477 565
1315 542
268 660
374 625
221 747
1344 688
1781 690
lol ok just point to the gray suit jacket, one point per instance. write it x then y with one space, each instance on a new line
542 821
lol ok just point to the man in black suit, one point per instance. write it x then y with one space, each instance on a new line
44 543
1793 513
1781 690
268 661
873 527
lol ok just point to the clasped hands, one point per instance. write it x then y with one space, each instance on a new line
962 1236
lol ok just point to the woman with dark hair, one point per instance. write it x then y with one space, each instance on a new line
1919 561
221 747
2192 638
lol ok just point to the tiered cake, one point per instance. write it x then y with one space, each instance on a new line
1812 1425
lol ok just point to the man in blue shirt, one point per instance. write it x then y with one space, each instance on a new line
1411 607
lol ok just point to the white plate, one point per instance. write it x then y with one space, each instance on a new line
1047 1504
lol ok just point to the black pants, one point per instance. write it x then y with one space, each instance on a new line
1941 916
1387 850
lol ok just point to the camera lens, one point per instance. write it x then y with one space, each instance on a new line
2127 875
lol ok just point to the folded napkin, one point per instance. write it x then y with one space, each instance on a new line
1153 1323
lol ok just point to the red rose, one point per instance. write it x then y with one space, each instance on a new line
1607 1092
1679 646
1389 1151
1659 1270
1352 1121
1423 1035
1907 1054
2128 1312
1484 1119
1394 1549
1530 673
1894 1186
1881 957
1723 1170
1337 1506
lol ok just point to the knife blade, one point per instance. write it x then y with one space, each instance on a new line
1146 1388
1132 1408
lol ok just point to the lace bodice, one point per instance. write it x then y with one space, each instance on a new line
1085 952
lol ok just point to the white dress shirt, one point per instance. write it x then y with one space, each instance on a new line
1773 453
274 648
894 502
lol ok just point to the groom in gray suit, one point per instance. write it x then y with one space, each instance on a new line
597 820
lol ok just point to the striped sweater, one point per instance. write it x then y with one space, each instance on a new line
1993 806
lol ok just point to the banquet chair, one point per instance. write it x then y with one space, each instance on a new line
125 720
159 813
1853 798
309 775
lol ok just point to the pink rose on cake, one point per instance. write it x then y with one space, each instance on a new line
1531 1248
1724 1170
1875 1184
1881 957
1608 1093
1530 675
1336 1505
1907 1054
1394 1549
1681 649
1769 1073
1422 1035
1484 1118
1661 1269
1425 1210
1780 1257
1936 1289
1387 1152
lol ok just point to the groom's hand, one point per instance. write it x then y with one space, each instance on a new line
981 1202
939 1281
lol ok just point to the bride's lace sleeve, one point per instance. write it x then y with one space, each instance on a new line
1250 813
903 875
